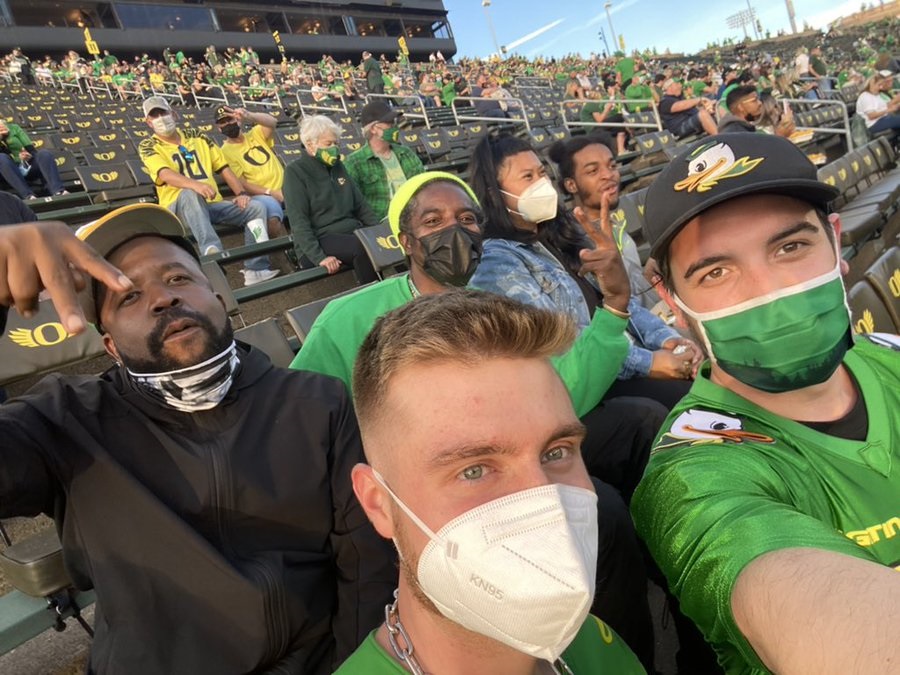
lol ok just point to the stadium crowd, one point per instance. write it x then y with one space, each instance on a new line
478 463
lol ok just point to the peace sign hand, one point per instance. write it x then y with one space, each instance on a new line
604 261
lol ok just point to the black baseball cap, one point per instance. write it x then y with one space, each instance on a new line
120 226
223 113
378 111
719 168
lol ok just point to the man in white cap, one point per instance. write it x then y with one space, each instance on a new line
183 164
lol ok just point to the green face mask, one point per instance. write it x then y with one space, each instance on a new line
328 156
782 341
391 134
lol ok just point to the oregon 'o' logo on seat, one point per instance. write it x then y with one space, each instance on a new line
45 335
108 177
60 161
107 137
894 283
72 141
434 144
105 156
390 241
83 125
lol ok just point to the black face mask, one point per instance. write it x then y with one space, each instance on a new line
451 255
232 130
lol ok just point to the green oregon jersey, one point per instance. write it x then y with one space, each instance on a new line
729 481
596 650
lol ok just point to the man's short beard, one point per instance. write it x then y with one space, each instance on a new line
217 341
409 562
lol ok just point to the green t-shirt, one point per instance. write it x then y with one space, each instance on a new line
394 172
336 336
588 110
626 67
729 481
638 91
596 650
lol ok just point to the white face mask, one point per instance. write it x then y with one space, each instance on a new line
164 125
538 203
520 569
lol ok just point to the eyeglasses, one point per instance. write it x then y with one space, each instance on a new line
186 154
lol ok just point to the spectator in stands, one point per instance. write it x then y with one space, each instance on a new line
482 364
638 89
429 92
764 503
879 112
685 117
382 165
183 164
372 70
534 253
136 465
324 205
13 210
429 210
587 170
484 88
745 108
252 158
819 69
605 111
21 162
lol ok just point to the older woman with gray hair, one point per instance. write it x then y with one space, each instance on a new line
323 204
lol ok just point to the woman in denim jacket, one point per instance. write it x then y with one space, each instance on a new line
531 254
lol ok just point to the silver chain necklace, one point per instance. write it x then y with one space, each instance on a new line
406 652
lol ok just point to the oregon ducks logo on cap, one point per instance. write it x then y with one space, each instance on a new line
108 177
45 335
711 163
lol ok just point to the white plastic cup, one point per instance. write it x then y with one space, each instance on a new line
258 229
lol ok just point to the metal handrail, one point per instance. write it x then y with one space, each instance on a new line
477 118
568 103
315 105
826 130
167 94
265 89
406 113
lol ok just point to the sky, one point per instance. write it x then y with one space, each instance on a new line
684 26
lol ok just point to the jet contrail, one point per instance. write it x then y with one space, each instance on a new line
540 31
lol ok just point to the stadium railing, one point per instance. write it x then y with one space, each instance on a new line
572 103
515 106
414 111
167 90
822 103
270 97
320 106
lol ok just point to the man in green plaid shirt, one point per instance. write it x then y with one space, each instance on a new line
382 165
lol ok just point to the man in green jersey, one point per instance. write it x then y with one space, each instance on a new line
772 500
437 220
474 471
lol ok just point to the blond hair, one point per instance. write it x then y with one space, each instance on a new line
458 325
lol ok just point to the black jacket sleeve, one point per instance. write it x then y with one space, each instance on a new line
366 562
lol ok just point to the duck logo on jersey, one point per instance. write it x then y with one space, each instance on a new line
711 163
701 427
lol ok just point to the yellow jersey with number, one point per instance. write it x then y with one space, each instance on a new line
196 157
253 159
